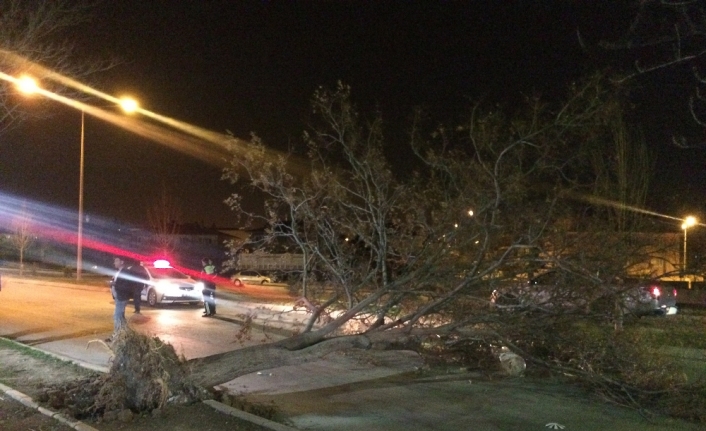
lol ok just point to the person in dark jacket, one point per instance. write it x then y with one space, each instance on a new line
137 298
126 280
141 273
208 274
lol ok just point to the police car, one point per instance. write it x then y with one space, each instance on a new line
167 285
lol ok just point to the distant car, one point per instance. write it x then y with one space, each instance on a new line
548 291
168 285
690 287
250 277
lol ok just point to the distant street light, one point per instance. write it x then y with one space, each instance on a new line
28 85
688 222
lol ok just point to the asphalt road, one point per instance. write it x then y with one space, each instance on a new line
65 318
35 313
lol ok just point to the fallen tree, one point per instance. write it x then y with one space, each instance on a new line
408 251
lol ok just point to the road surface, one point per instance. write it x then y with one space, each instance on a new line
58 317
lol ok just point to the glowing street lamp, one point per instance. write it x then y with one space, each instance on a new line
129 104
28 85
688 222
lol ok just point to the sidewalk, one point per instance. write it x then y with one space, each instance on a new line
373 390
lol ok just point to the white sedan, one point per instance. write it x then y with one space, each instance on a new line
250 277
167 285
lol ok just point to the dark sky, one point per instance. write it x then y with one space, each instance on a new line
252 66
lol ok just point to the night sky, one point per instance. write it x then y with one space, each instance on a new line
252 66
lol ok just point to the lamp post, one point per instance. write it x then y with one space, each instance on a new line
28 85
128 105
79 236
688 222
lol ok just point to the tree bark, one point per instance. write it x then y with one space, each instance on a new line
224 367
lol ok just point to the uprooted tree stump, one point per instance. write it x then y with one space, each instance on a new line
146 374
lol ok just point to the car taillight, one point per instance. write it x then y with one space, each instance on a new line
674 292
656 292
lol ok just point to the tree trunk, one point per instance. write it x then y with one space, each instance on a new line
224 367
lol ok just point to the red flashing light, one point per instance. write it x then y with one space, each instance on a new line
656 292
161 263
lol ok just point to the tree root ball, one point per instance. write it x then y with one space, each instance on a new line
146 374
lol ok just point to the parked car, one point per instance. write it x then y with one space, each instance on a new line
651 297
553 289
691 288
168 285
250 277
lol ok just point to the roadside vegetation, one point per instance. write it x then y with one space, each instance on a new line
654 365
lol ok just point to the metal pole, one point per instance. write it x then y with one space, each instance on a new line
79 240
684 262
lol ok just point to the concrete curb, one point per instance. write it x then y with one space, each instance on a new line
76 362
29 402
276 426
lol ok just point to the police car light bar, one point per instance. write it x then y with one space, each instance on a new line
161 263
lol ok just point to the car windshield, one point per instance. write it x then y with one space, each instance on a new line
162 273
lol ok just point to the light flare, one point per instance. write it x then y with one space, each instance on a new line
57 225
209 146
606 202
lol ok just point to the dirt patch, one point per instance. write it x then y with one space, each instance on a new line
28 374
17 417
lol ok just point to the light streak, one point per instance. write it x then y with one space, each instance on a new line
619 205
56 226
209 146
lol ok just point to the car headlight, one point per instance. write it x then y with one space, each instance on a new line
166 287
199 286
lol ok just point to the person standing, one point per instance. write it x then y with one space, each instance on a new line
208 274
124 284
141 275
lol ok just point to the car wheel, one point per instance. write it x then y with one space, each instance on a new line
152 298
237 283
263 282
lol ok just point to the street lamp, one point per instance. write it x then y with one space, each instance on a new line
688 222
28 85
